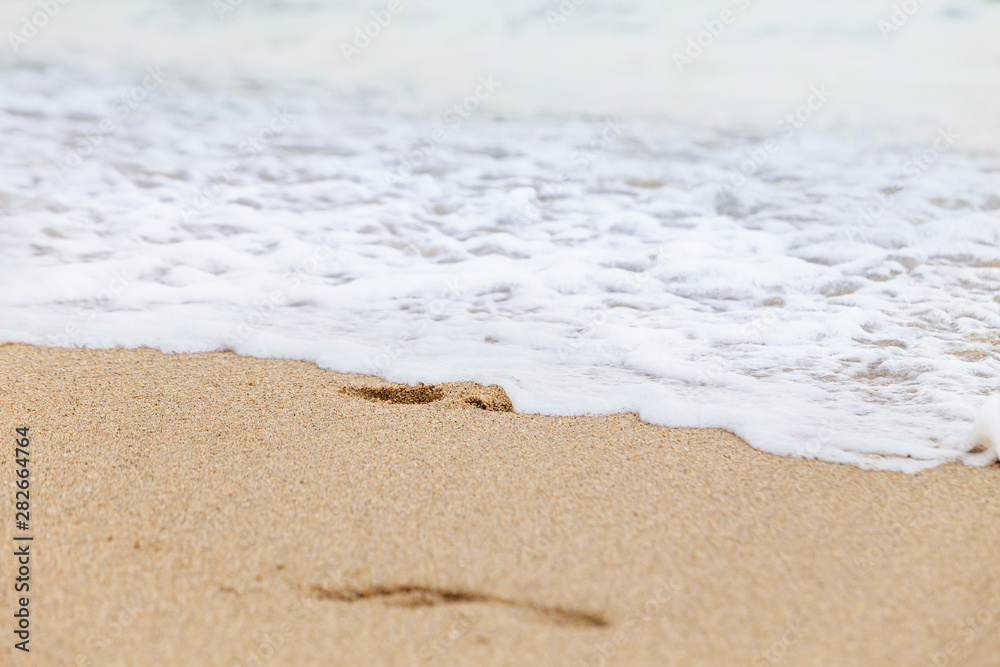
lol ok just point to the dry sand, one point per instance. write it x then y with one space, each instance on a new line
209 509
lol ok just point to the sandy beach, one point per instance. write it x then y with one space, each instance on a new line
210 509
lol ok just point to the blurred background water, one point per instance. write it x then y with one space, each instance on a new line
938 65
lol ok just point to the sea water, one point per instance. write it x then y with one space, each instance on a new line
789 229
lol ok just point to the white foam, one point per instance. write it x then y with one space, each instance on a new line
983 441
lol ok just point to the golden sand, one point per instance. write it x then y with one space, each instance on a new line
210 509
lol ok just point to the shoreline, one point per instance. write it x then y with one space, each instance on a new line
215 509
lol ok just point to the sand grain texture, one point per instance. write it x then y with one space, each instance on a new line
209 509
